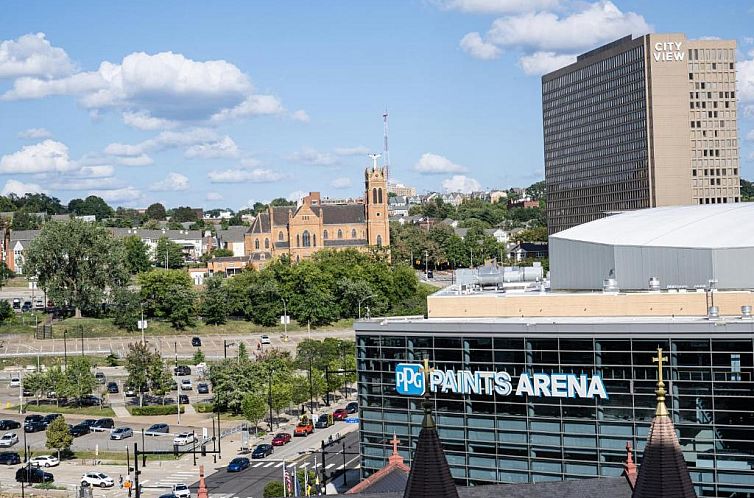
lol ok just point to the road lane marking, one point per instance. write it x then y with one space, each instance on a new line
279 465
303 465
330 466
257 464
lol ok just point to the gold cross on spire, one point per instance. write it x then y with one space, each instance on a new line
662 410
395 442
428 421
427 372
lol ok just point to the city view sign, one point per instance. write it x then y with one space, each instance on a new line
410 381
668 51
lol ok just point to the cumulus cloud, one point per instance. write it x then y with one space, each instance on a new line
33 55
461 183
174 182
239 175
745 83
83 184
473 45
225 147
341 182
20 188
296 195
308 155
250 162
540 63
125 194
495 6
101 171
35 134
359 150
44 157
156 90
214 196
140 160
435 164
300 116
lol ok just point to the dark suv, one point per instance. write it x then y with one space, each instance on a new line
103 423
182 370
9 458
33 474
112 387
49 418
9 424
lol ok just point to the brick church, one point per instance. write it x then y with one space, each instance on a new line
302 230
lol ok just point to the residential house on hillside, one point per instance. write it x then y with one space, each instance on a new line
232 239
193 242
524 250
15 243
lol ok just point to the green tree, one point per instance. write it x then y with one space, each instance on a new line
217 252
35 383
273 489
92 205
536 234
747 190
166 248
139 363
155 211
231 381
126 309
137 255
151 225
38 203
215 306
183 214
254 407
6 311
57 380
81 380
25 221
168 294
160 378
243 353
537 191
75 262
59 436
198 357
299 388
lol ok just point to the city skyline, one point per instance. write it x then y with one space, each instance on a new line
244 103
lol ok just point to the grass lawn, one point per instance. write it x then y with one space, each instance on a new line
17 282
22 323
92 411
22 361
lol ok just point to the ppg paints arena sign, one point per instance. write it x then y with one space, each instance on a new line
410 381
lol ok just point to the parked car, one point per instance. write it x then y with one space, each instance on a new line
26 307
33 475
202 388
186 385
265 339
79 430
184 438
99 377
121 433
35 426
181 490
112 387
352 407
157 429
167 495
49 418
196 342
303 428
15 381
39 303
340 414
89 422
89 400
183 399
324 421
33 418
238 464
6 424
16 303
173 385
103 423
281 438
8 439
262 450
182 370
44 461
9 458
98 479
129 392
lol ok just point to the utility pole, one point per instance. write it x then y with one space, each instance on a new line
386 153
65 349
426 263
175 345
269 399
193 433
285 318
219 435
81 327
136 469
311 391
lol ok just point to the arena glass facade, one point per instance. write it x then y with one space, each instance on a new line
494 438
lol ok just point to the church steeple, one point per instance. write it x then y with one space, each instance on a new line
375 204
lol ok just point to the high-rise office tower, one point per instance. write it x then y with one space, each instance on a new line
638 123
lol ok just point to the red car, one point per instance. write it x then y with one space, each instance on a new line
339 414
281 438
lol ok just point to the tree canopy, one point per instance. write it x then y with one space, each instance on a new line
155 211
92 205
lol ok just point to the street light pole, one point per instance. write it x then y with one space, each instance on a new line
269 399
175 345
362 300
285 318
65 349
311 390
426 263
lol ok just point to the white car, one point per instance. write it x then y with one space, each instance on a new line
186 385
44 461
184 438
98 479
181 491
265 339
8 439
15 381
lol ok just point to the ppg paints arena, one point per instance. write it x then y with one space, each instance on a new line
531 384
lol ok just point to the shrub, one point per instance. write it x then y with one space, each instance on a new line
273 489
204 407
154 410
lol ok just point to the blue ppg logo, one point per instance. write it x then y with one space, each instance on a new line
409 379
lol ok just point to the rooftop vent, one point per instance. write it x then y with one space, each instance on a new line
654 284
610 286
746 312
713 313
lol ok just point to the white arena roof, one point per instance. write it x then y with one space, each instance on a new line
709 226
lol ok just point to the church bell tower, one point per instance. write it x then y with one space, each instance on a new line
375 202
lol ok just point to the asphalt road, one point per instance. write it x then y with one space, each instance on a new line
250 483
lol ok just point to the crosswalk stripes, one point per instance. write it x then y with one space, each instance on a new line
280 464
292 466
330 466
258 464
303 465
269 465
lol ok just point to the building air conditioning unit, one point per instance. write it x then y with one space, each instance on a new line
713 313
654 284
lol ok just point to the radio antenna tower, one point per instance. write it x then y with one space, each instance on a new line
386 153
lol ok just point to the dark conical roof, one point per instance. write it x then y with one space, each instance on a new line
663 472
430 474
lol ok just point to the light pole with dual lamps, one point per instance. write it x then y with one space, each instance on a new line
362 300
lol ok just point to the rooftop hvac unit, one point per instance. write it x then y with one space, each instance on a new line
654 284
746 312
713 313
610 286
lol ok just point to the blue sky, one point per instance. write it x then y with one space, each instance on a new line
226 103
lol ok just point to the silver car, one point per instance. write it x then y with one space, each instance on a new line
8 439
121 433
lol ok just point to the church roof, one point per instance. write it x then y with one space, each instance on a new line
341 214
391 478
261 224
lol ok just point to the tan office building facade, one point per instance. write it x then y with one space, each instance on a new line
639 123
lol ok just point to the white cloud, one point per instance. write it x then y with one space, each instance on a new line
434 164
461 183
258 175
750 135
341 182
540 63
35 134
214 196
44 157
174 182
143 121
311 156
20 188
140 160
33 55
596 24
296 195
125 194
95 171
300 116
495 6
83 184
745 84
158 89
250 162
473 45
359 150
709 38
225 147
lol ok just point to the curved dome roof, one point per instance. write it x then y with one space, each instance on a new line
706 226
